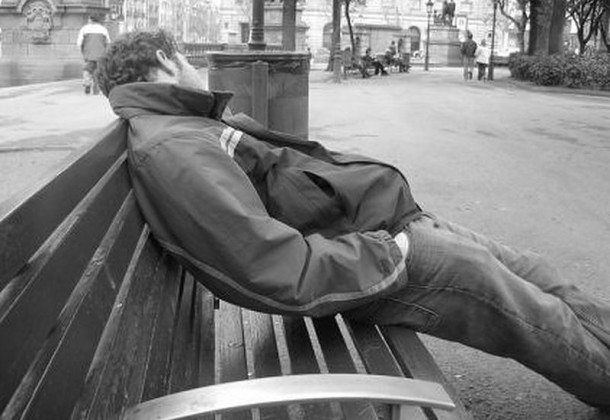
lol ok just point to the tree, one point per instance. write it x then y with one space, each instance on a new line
604 27
349 5
547 23
349 26
336 35
588 17
516 11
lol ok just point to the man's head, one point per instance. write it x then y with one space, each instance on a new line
145 56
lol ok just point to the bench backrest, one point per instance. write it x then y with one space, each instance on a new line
65 248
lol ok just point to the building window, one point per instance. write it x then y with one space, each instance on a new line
245 32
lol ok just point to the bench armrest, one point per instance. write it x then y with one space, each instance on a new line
292 389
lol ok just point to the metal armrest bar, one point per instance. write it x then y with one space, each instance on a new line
292 389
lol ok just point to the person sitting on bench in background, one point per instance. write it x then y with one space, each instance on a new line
282 225
369 61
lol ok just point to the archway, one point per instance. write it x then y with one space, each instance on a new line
415 36
327 36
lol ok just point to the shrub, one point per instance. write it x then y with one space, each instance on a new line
590 71
575 72
519 66
548 70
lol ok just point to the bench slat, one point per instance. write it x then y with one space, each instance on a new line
232 365
295 388
207 351
303 361
120 373
379 360
24 226
158 367
33 300
54 380
263 356
416 362
185 355
339 360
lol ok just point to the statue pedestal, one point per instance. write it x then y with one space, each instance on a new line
271 87
274 27
39 40
445 46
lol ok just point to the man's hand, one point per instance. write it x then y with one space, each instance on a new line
402 240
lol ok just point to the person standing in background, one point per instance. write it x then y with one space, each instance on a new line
468 50
482 59
92 40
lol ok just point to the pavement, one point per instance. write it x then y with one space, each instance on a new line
523 164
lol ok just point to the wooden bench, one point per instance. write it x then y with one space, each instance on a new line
98 322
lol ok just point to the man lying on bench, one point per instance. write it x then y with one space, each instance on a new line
282 225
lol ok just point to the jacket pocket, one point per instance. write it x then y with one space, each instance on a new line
302 199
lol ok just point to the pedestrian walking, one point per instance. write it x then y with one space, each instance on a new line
92 40
279 224
482 60
468 50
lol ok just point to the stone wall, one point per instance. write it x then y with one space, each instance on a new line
39 39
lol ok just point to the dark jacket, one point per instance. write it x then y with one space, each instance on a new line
469 48
265 220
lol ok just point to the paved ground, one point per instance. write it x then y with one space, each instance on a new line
525 165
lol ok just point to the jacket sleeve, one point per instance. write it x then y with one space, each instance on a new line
80 38
203 207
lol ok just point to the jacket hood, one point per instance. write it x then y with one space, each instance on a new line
150 98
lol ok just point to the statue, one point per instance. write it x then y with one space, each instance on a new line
448 13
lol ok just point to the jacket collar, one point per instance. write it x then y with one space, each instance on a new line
150 98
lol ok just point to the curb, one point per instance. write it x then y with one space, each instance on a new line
519 84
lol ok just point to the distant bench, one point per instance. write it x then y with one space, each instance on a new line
98 322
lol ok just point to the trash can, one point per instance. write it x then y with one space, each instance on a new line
272 87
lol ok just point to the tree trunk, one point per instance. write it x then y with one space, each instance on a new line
521 39
556 30
289 21
605 25
582 42
351 29
336 36
541 12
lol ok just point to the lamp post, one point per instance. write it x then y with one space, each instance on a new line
490 73
429 7
257 33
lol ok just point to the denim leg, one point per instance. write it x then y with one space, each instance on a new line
464 287
592 312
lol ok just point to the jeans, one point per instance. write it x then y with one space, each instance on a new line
468 67
481 74
467 288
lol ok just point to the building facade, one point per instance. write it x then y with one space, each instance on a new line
192 21
376 23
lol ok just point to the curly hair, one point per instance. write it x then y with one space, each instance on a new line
132 57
